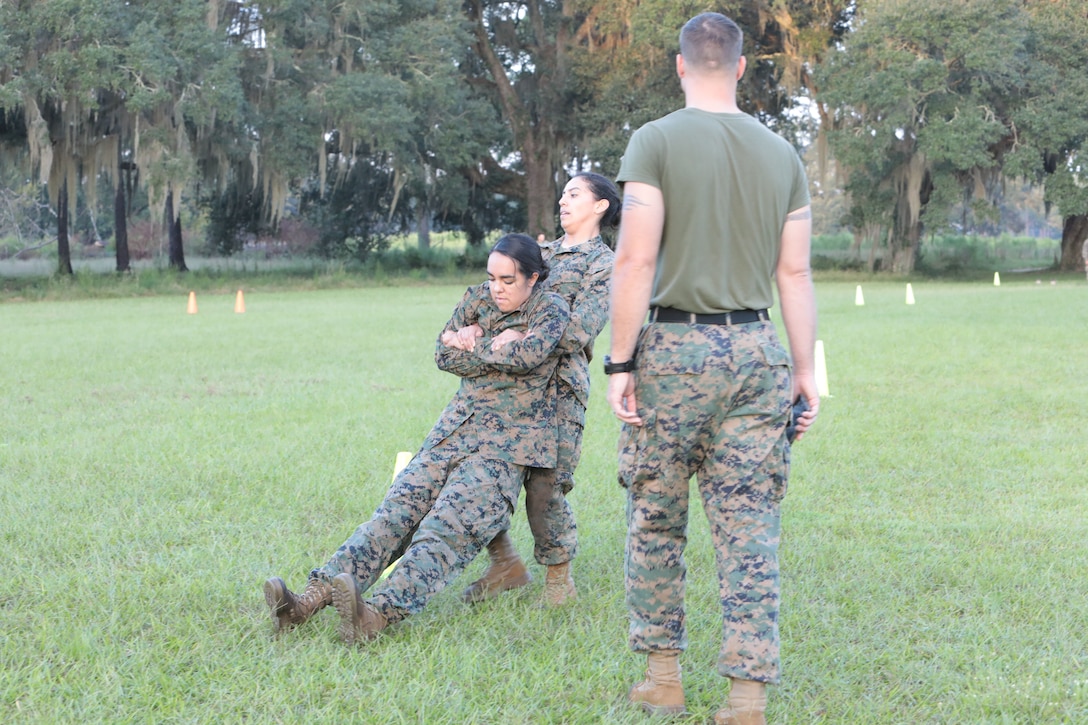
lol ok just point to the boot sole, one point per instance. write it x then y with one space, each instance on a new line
347 606
275 595
660 710
657 710
476 593
729 715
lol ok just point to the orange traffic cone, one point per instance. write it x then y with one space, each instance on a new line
191 309
239 303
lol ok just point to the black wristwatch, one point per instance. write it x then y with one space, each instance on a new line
611 368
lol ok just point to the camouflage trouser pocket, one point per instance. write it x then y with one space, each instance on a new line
565 481
670 368
570 452
633 448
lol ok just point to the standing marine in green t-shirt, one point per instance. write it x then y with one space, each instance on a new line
715 207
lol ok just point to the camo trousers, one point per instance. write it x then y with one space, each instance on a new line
441 510
714 401
555 534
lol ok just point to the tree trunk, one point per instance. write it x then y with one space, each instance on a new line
173 226
1074 234
855 245
120 218
423 225
913 187
540 186
876 243
903 260
903 243
905 247
536 139
64 252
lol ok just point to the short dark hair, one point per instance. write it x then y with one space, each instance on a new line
602 188
525 252
711 42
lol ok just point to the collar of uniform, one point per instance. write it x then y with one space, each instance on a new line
577 247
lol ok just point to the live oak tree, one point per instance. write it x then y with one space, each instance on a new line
377 116
574 78
1049 142
782 41
239 102
923 93
251 104
522 49
358 109
127 89
195 99
59 72
427 145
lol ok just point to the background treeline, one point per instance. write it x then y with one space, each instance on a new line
328 127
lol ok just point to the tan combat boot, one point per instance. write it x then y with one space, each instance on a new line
358 620
661 692
505 571
290 609
747 704
559 585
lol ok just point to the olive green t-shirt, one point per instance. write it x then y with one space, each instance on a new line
728 184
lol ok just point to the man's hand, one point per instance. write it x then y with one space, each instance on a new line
621 396
805 386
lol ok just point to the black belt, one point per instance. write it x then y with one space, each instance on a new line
736 317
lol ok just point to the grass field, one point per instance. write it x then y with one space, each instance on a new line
156 467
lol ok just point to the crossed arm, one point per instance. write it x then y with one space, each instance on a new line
588 315
511 351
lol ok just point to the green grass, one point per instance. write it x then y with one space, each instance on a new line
156 467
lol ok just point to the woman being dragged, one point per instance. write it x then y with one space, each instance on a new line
461 488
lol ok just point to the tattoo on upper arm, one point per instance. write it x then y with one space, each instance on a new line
630 201
799 215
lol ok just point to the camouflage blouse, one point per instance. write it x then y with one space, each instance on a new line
505 393
581 275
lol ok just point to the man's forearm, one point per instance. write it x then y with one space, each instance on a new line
632 283
798 299
793 275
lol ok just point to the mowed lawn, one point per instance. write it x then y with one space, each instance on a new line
156 467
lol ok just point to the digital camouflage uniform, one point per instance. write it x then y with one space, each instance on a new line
459 490
581 275
713 410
